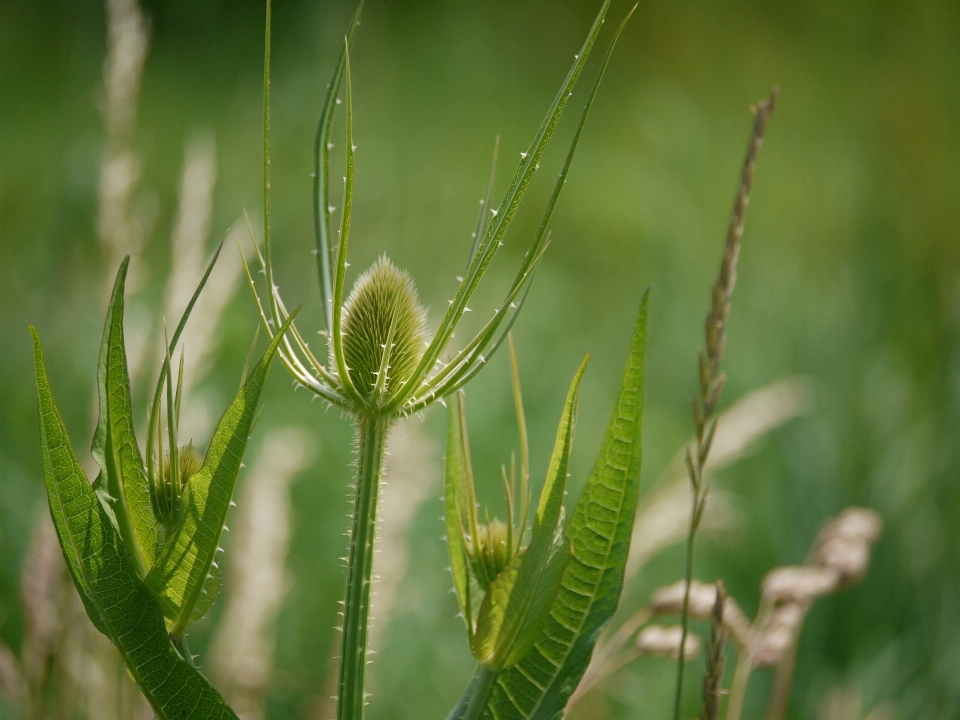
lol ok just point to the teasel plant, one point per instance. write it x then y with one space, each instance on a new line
383 364
533 609
141 543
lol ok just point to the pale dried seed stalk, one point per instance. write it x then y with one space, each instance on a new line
128 45
662 641
839 558
241 654
665 519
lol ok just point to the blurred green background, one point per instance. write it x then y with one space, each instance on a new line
850 274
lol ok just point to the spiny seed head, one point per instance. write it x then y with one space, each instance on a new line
168 497
490 551
191 460
382 296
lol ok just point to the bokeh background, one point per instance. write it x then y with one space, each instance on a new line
850 277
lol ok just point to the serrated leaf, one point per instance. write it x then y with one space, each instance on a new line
453 501
182 567
519 599
538 687
117 601
122 484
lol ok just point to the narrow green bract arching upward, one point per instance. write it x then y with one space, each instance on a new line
185 571
383 321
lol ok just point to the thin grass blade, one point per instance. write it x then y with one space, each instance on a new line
152 469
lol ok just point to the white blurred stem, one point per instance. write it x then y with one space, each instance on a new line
128 43
242 651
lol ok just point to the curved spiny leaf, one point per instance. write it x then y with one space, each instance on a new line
123 480
117 601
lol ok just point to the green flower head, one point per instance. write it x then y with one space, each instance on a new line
384 329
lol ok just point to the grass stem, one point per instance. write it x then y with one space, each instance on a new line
711 379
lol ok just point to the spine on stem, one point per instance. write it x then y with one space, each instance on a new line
372 432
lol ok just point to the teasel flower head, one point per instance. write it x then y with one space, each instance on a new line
190 460
366 375
384 329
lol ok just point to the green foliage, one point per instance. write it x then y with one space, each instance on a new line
599 531
123 482
544 611
515 607
117 601
518 584
142 587
179 576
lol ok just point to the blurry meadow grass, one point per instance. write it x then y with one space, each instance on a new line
849 275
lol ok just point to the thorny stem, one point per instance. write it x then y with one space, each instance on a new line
372 433
711 380
474 700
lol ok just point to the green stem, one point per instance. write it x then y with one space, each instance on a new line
372 433
475 699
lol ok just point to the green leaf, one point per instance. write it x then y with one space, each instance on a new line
115 598
517 605
538 687
453 498
180 573
321 177
123 481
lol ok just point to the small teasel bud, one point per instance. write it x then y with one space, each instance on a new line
490 552
168 497
383 297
